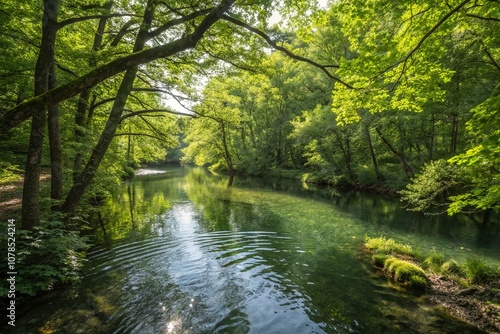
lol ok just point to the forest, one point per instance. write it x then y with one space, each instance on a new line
400 97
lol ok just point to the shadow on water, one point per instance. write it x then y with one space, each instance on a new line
190 252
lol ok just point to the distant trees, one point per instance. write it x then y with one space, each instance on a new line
409 76
362 93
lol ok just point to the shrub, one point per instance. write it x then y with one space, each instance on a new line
477 271
405 272
9 173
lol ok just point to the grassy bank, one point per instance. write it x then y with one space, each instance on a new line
469 290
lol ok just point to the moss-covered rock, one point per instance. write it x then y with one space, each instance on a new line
405 272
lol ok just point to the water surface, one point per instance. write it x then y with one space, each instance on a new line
183 252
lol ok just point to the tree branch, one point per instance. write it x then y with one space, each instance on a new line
404 61
72 20
153 111
177 21
286 51
27 109
493 61
139 134
228 61
483 18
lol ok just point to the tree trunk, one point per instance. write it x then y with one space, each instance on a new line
406 167
380 177
227 155
345 147
84 179
30 211
83 101
454 134
56 169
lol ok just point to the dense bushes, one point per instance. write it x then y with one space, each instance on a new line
46 256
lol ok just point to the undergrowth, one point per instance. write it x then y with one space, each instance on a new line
47 256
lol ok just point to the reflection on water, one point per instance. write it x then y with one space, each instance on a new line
183 252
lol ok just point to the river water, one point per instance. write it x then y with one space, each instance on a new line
182 250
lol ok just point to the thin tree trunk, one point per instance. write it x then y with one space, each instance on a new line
83 101
406 167
30 211
380 177
56 169
454 134
345 147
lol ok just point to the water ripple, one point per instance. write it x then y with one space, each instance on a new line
212 282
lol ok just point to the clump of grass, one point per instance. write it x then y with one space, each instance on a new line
383 245
405 272
433 262
451 267
477 271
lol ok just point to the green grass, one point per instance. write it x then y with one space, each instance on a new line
379 259
434 262
477 271
383 245
451 267
399 262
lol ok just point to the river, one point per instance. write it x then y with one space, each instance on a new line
180 250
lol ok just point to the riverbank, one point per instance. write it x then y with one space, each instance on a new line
478 304
469 291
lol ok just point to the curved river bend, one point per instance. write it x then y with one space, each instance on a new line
183 252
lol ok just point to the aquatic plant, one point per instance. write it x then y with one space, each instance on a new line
378 259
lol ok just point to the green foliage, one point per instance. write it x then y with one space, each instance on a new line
426 188
379 259
48 255
482 159
386 246
9 173
405 272
477 271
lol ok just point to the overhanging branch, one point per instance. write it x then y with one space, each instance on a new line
27 109
290 54
405 60
154 111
